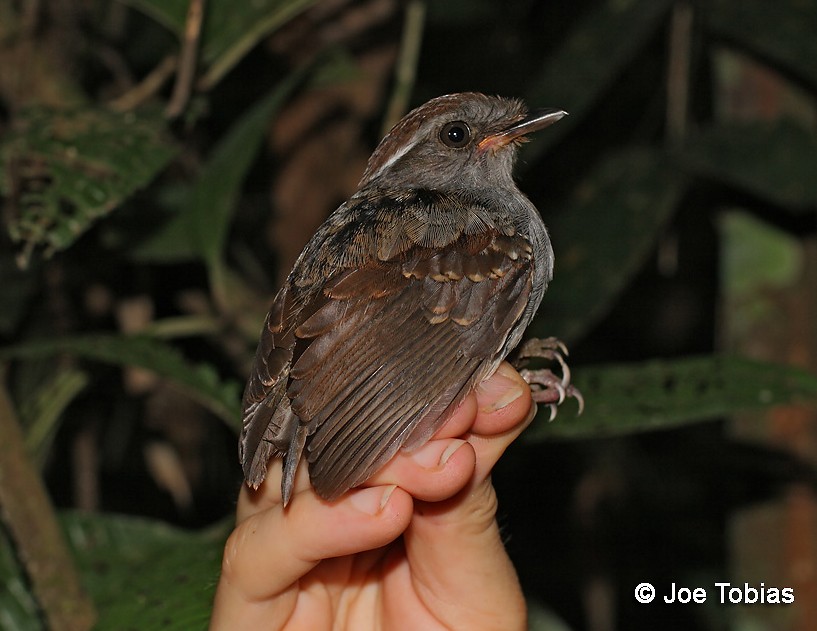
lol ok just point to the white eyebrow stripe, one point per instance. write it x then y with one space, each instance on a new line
395 157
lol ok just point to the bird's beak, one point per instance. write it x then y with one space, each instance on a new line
536 120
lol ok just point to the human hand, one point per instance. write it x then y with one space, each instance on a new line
343 565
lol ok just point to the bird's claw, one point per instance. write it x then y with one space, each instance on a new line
547 387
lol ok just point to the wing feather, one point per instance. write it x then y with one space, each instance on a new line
421 351
380 355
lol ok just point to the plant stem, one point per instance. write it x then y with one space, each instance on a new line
28 515
187 59
406 70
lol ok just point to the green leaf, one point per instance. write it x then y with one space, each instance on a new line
756 258
169 13
759 262
775 162
590 60
659 394
63 170
141 574
459 13
603 237
18 608
199 381
144 574
542 619
214 197
781 32
41 411
202 225
170 241
230 29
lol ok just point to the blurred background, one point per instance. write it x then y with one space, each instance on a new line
164 161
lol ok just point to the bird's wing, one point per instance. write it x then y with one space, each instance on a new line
268 425
382 354
394 345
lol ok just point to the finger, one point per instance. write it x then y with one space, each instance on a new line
454 546
490 420
504 409
461 420
459 565
435 471
271 550
441 467
501 400
252 501
268 494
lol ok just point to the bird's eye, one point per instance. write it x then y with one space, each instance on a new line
456 134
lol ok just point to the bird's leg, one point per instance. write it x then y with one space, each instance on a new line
546 387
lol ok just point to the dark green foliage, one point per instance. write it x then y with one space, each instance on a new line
604 237
199 381
779 33
664 394
142 574
63 170
167 576
772 162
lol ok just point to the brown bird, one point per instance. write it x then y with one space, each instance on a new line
407 297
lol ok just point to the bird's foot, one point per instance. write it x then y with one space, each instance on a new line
547 387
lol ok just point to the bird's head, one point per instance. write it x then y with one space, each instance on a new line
457 140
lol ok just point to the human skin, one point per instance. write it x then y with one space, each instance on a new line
418 547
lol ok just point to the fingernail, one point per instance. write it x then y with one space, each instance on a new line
372 501
429 456
386 496
449 451
503 388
